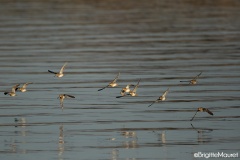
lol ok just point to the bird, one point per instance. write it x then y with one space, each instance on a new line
126 89
134 91
13 92
60 74
161 98
24 87
201 109
194 80
112 83
131 92
62 97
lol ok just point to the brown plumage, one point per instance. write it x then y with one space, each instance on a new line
113 83
60 73
194 80
161 98
201 109
62 97
13 92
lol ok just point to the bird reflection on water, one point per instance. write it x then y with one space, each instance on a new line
132 139
203 137
161 137
60 142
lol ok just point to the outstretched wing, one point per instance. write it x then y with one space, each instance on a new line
14 88
61 103
113 81
136 87
153 103
25 85
194 115
209 112
165 93
120 96
116 78
63 67
52 72
197 76
70 96
103 88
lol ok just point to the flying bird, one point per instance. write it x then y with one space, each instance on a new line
24 87
60 73
201 109
126 89
13 92
112 83
194 80
161 98
134 91
131 92
62 97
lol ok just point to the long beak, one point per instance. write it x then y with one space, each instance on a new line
194 116
184 81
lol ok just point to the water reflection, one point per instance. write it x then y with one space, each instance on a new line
161 42
132 139
12 144
60 143
161 137
114 154
22 122
202 137
129 134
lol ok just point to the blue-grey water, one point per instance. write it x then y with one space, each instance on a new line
159 42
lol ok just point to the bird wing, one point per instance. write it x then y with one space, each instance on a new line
153 103
209 112
25 85
121 96
197 76
194 115
14 88
63 67
103 88
52 72
122 92
67 95
165 93
61 102
136 87
116 78
114 81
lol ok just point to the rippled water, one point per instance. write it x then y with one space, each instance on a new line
161 43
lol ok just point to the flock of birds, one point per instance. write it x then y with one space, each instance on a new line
126 91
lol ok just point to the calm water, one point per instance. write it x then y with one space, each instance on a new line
159 42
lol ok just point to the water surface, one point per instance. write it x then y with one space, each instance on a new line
161 43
